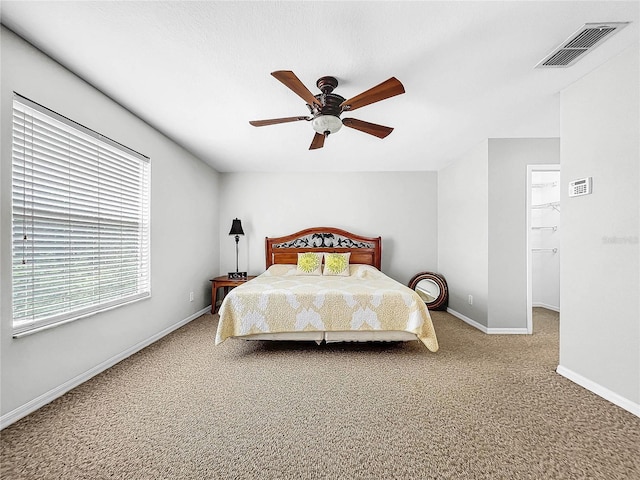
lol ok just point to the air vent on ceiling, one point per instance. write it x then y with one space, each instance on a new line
584 40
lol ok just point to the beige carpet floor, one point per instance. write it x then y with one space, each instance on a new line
483 407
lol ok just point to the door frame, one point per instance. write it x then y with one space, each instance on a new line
543 167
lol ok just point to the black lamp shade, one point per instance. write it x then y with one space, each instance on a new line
236 227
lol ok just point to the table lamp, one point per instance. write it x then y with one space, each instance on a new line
236 229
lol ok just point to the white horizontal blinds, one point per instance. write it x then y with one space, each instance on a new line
80 220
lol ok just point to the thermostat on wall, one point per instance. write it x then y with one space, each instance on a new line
580 187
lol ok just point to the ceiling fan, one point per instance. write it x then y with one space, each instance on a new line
326 107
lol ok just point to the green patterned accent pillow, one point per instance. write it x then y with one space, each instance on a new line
309 264
336 264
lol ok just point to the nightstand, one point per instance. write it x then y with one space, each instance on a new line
225 283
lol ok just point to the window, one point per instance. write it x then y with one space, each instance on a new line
80 220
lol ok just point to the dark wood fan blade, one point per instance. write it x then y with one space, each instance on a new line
379 131
290 80
388 88
317 142
274 121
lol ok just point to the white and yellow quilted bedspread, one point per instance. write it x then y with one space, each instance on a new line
281 301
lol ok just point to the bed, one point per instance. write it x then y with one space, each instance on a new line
360 304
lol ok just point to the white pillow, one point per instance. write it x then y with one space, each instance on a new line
280 270
336 264
309 263
364 271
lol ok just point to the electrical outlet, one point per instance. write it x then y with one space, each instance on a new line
470 299
191 296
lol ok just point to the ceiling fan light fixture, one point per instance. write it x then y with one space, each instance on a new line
326 123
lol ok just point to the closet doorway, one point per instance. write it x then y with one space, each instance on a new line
543 239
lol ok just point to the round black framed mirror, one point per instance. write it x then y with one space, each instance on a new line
432 288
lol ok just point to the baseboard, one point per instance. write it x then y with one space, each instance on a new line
468 320
548 307
47 397
488 330
599 390
508 331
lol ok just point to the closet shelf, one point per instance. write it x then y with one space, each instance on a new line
543 185
554 205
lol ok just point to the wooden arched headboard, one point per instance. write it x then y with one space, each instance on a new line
364 250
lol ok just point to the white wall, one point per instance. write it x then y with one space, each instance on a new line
463 232
482 229
508 160
599 275
399 207
184 236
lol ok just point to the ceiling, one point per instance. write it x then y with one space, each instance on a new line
199 71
